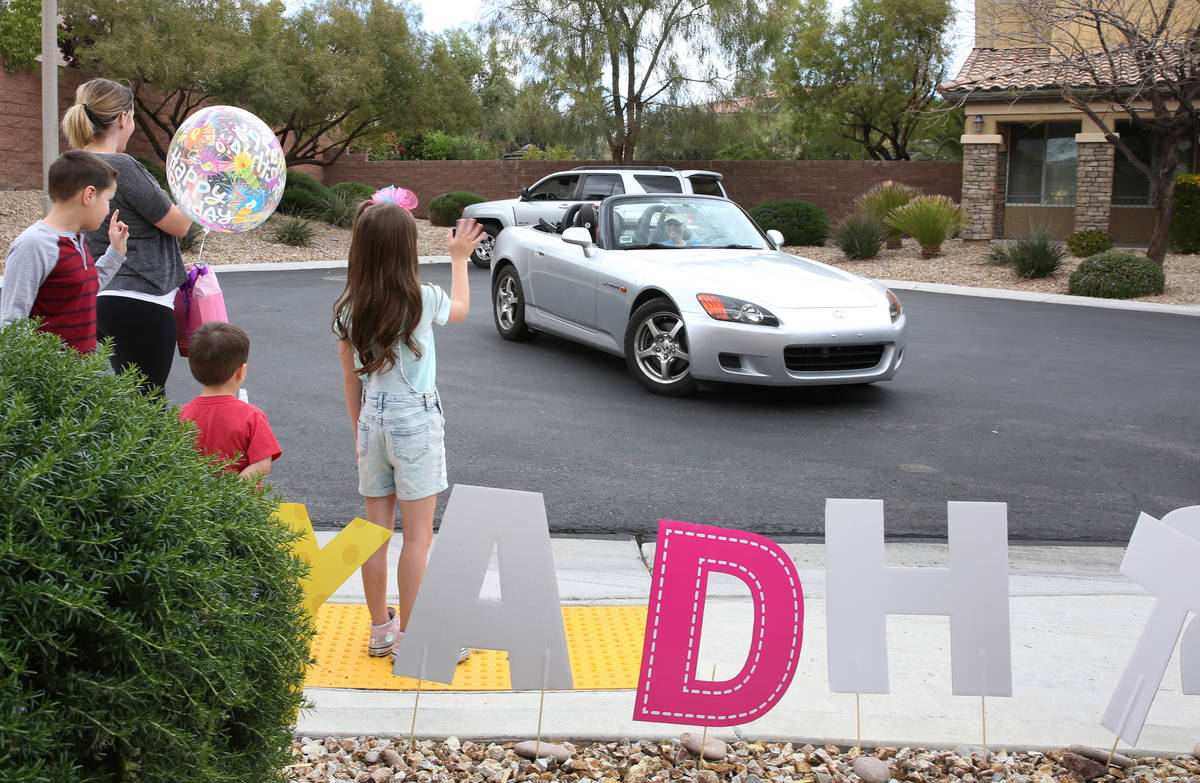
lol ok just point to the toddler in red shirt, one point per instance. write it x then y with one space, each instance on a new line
229 428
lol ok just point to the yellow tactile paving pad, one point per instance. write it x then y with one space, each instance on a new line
604 642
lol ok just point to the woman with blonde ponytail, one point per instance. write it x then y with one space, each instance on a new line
136 308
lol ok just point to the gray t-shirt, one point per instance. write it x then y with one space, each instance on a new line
153 264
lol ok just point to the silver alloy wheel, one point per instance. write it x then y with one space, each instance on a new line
506 301
661 347
483 252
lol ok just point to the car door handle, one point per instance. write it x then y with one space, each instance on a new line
539 252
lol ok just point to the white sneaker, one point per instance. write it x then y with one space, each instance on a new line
383 637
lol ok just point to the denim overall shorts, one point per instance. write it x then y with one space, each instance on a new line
401 440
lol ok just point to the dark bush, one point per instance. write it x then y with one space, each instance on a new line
152 617
356 190
1185 217
860 236
1037 254
1114 275
1088 242
448 207
800 222
303 195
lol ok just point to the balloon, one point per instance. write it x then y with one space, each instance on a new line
226 169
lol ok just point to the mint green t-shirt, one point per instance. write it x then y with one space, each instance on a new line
421 373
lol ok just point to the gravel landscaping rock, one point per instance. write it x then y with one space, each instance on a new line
958 264
428 761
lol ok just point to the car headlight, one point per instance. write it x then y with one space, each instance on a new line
894 308
726 308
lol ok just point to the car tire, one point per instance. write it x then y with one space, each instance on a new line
508 306
481 256
657 351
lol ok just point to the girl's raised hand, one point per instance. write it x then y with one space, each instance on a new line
462 240
118 233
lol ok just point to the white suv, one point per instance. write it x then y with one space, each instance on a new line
550 197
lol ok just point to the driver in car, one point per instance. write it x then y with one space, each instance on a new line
673 226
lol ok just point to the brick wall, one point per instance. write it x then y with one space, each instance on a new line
21 125
831 185
1094 178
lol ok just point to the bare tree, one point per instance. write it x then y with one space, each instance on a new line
1137 57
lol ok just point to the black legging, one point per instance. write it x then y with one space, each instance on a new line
143 336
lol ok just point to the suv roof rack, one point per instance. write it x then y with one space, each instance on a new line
624 168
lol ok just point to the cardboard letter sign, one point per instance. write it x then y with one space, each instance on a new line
669 689
449 614
862 592
1162 558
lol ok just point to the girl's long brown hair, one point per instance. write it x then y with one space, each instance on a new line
381 303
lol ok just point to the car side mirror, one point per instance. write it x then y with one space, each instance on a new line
525 194
578 235
776 237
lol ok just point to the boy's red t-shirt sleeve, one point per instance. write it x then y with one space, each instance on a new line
262 443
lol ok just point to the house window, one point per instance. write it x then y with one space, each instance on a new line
1041 164
1130 186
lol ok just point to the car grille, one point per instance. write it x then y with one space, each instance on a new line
832 358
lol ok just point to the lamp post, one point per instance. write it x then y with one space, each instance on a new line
49 94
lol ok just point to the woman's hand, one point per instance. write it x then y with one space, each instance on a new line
118 233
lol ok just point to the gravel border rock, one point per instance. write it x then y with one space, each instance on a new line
959 263
393 760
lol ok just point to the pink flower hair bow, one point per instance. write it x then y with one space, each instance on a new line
393 195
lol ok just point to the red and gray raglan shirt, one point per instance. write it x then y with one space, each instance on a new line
52 276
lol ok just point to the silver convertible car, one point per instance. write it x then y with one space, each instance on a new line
688 288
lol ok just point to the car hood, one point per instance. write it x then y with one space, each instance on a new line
767 277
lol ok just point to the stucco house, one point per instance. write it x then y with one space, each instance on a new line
1029 157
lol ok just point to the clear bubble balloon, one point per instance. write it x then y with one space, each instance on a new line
226 169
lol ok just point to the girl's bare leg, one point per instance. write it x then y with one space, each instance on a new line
416 520
382 512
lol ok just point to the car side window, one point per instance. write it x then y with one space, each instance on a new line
598 186
554 188
657 183
706 186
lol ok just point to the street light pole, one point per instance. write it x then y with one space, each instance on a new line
49 94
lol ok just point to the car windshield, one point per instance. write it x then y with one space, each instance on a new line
682 222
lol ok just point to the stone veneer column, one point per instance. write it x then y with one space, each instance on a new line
981 186
1094 181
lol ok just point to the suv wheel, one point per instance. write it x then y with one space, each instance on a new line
482 255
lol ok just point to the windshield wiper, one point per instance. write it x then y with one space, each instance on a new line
739 247
643 247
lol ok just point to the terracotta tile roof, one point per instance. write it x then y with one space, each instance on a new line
1023 70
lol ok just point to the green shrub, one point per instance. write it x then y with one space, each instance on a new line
930 220
1114 275
303 195
448 207
294 231
552 152
800 222
152 612
1185 216
1088 242
339 209
743 151
859 235
191 240
437 145
156 171
879 202
1037 254
358 190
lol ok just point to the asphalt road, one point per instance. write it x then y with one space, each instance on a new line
1077 418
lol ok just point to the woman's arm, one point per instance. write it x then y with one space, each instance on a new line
351 387
175 222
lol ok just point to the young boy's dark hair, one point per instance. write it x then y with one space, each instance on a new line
75 170
216 352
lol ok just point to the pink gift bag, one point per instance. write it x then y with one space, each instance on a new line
197 301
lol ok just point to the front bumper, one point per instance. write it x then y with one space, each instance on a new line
814 347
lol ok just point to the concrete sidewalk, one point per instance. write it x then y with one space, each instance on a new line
1075 620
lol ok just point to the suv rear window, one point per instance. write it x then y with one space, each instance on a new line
706 186
598 186
655 183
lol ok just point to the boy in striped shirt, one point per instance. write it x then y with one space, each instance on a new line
49 272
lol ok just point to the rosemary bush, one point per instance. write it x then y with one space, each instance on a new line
1114 275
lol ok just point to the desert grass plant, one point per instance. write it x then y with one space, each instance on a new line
1088 242
1035 254
191 240
859 235
338 210
1114 275
152 609
294 231
930 220
879 202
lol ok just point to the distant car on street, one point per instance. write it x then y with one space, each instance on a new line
550 197
688 288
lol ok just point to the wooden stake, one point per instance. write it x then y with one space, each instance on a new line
704 734
537 745
412 730
858 719
1112 752
983 715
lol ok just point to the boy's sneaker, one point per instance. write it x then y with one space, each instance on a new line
384 637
